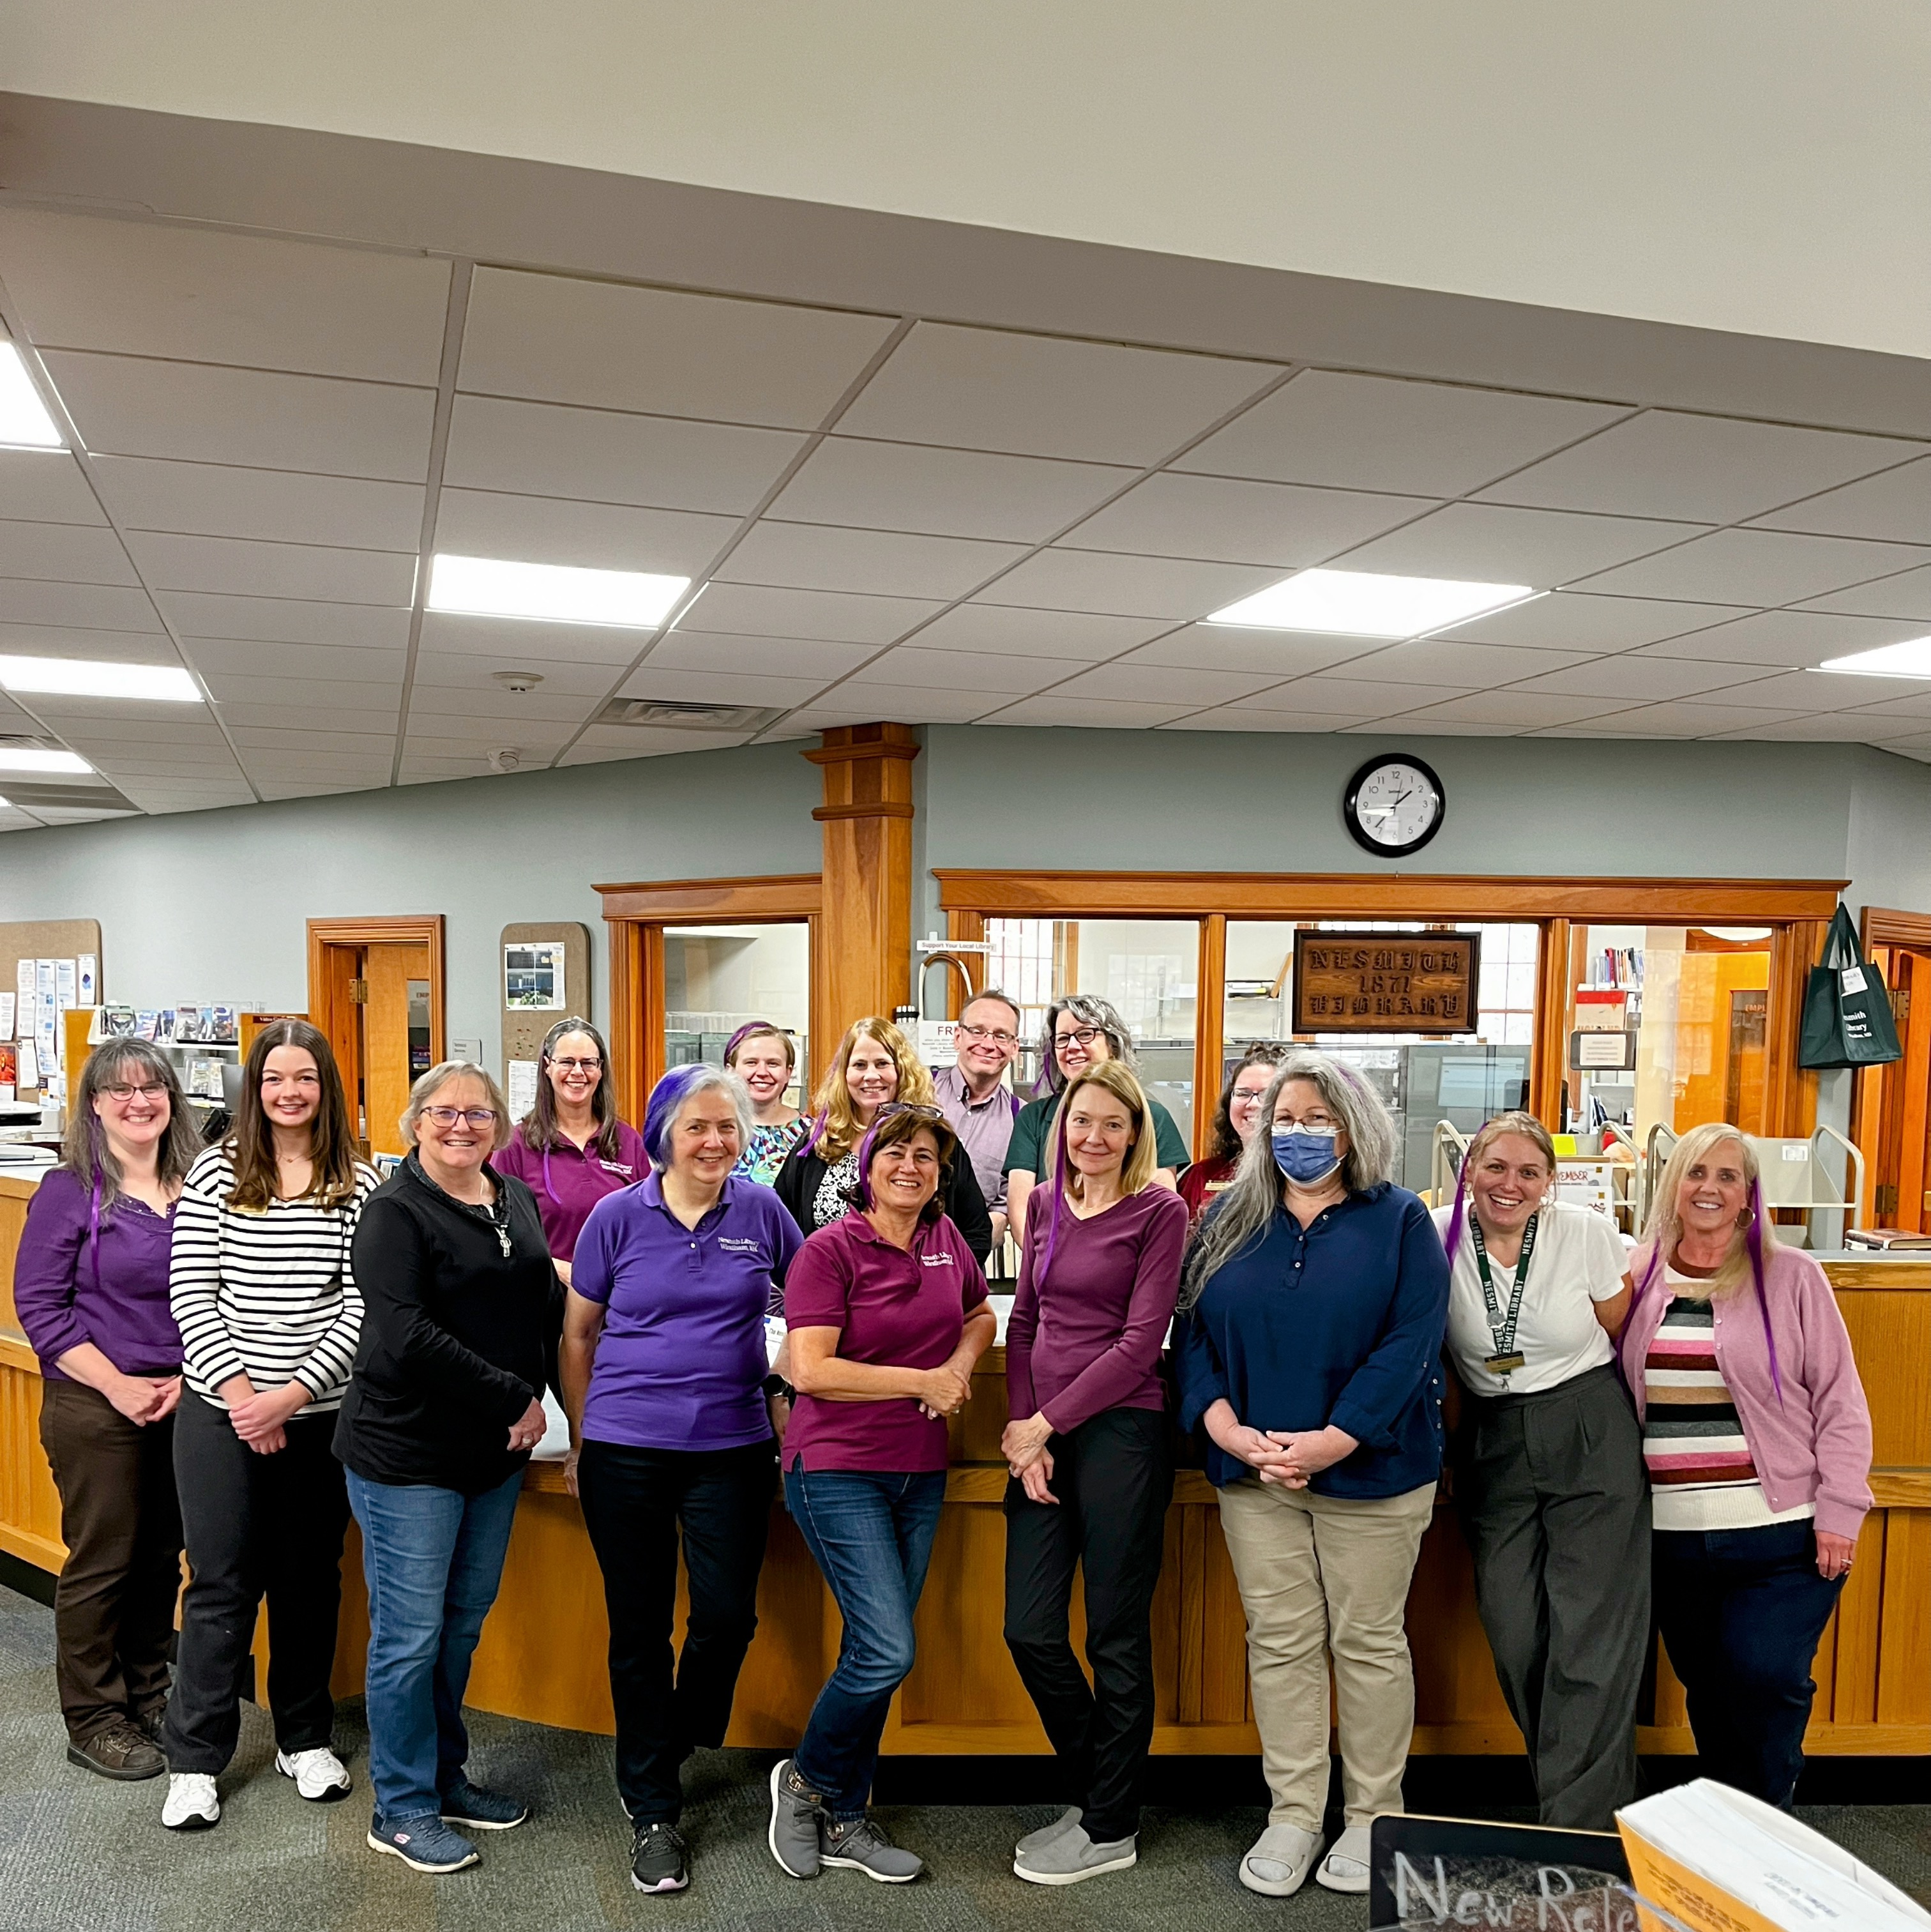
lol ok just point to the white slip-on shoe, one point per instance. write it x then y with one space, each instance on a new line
1345 1867
1278 1862
191 1804
320 1775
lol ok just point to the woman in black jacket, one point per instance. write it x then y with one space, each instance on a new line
874 1070
445 1406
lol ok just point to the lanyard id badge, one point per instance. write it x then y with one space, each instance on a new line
1506 1357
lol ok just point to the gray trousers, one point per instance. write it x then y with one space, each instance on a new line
1556 1504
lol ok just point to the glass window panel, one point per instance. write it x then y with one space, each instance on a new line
717 977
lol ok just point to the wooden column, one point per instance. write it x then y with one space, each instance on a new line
866 929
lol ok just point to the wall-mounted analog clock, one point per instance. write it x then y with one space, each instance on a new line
1395 804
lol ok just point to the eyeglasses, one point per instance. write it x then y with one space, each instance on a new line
153 1095
474 1117
998 1035
580 1066
1081 1035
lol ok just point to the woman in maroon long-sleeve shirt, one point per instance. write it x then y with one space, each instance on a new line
1092 1472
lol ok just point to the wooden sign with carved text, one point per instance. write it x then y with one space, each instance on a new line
1386 981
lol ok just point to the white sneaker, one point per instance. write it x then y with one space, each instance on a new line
1278 1861
320 1775
1345 1867
191 1804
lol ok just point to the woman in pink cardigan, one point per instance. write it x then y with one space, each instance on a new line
1758 1440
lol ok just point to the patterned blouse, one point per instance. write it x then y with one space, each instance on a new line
770 1144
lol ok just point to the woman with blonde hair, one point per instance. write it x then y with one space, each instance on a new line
875 1070
1550 1478
1758 1438
1092 1469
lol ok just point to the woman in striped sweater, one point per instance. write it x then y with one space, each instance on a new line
261 1285
1758 1439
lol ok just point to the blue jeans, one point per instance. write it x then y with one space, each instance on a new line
871 1534
433 1558
1741 1611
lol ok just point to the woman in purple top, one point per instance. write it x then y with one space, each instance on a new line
90 1289
888 1316
1092 1469
571 1150
663 1373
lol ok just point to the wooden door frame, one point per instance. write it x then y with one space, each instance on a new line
637 915
1887 926
328 1004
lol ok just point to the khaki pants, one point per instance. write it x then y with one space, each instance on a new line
1322 1575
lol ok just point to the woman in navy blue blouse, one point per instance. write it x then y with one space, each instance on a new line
1313 1303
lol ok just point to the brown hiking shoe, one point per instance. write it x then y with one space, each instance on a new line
149 1723
119 1751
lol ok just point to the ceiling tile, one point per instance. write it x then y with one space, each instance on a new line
304 737
755 657
126 406
1250 717
273 791
1454 661
755 611
218 658
913 703
1485 543
1789 640
554 339
1353 697
1060 634
309 716
84 607
308 573
65 553
964 672
284 620
1380 433
1226 521
1907 596
45 486
466 670
1637 677
720 687
542 449
478 695
1909 712
1895 506
1140 683
194 295
1838 728
514 640
1037 395
1758 567
596 536
1823 692
602 743
1514 710
273 505
1091 713
1575 620
887 563
1682 719
1230 647
1414 727
965 492
1130 587
1702 469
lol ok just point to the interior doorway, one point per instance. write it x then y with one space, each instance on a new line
1892 1110
375 989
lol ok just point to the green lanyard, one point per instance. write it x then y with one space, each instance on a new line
1502 1328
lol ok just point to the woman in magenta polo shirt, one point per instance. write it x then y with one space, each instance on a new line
887 1316
664 1368
1092 1469
571 1150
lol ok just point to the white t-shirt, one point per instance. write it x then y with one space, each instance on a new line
1578 1261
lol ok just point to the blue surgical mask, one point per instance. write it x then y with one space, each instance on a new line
1306 1155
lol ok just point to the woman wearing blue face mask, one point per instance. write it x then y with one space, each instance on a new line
1312 1305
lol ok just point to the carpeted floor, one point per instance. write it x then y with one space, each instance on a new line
79 1852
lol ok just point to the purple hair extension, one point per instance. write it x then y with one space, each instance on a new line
1459 1216
661 1110
1753 1240
1062 1174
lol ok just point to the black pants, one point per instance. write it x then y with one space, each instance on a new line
114 1604
634 1502
1114 1476
1741 1611
1556 1506
255 1526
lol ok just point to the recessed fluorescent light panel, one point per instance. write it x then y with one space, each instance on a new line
1366 604
17 758
485 587
85 677
1912 658
24 422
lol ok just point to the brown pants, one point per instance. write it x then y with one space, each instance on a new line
114 1603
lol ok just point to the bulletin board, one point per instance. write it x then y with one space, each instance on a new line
524 1027
50 939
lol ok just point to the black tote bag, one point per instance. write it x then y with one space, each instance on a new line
1847 1018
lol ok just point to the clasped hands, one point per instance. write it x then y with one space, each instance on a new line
259 1417
947 1389
1285 1457
1028 1458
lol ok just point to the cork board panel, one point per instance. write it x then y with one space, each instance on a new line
50 939
524 1027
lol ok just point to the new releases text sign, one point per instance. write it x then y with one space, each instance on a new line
1385 982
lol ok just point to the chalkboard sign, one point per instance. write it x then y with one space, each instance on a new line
1386 981
1428 1872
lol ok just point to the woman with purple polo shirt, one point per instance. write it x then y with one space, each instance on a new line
90 1289
664 1368
887 1316
571 1150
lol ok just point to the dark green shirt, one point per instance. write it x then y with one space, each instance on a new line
1025 1154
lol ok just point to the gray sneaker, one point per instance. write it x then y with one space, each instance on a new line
1073 1856
797 1811
1046 1834
861 1843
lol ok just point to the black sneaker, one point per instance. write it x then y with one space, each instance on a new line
657 1860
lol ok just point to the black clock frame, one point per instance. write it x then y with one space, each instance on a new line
1353 799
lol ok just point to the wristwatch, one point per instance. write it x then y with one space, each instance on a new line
776 1385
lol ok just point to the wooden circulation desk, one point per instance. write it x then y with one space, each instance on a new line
542 1653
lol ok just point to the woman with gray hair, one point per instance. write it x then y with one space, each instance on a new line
1312 1306
445 1405
1081 1029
